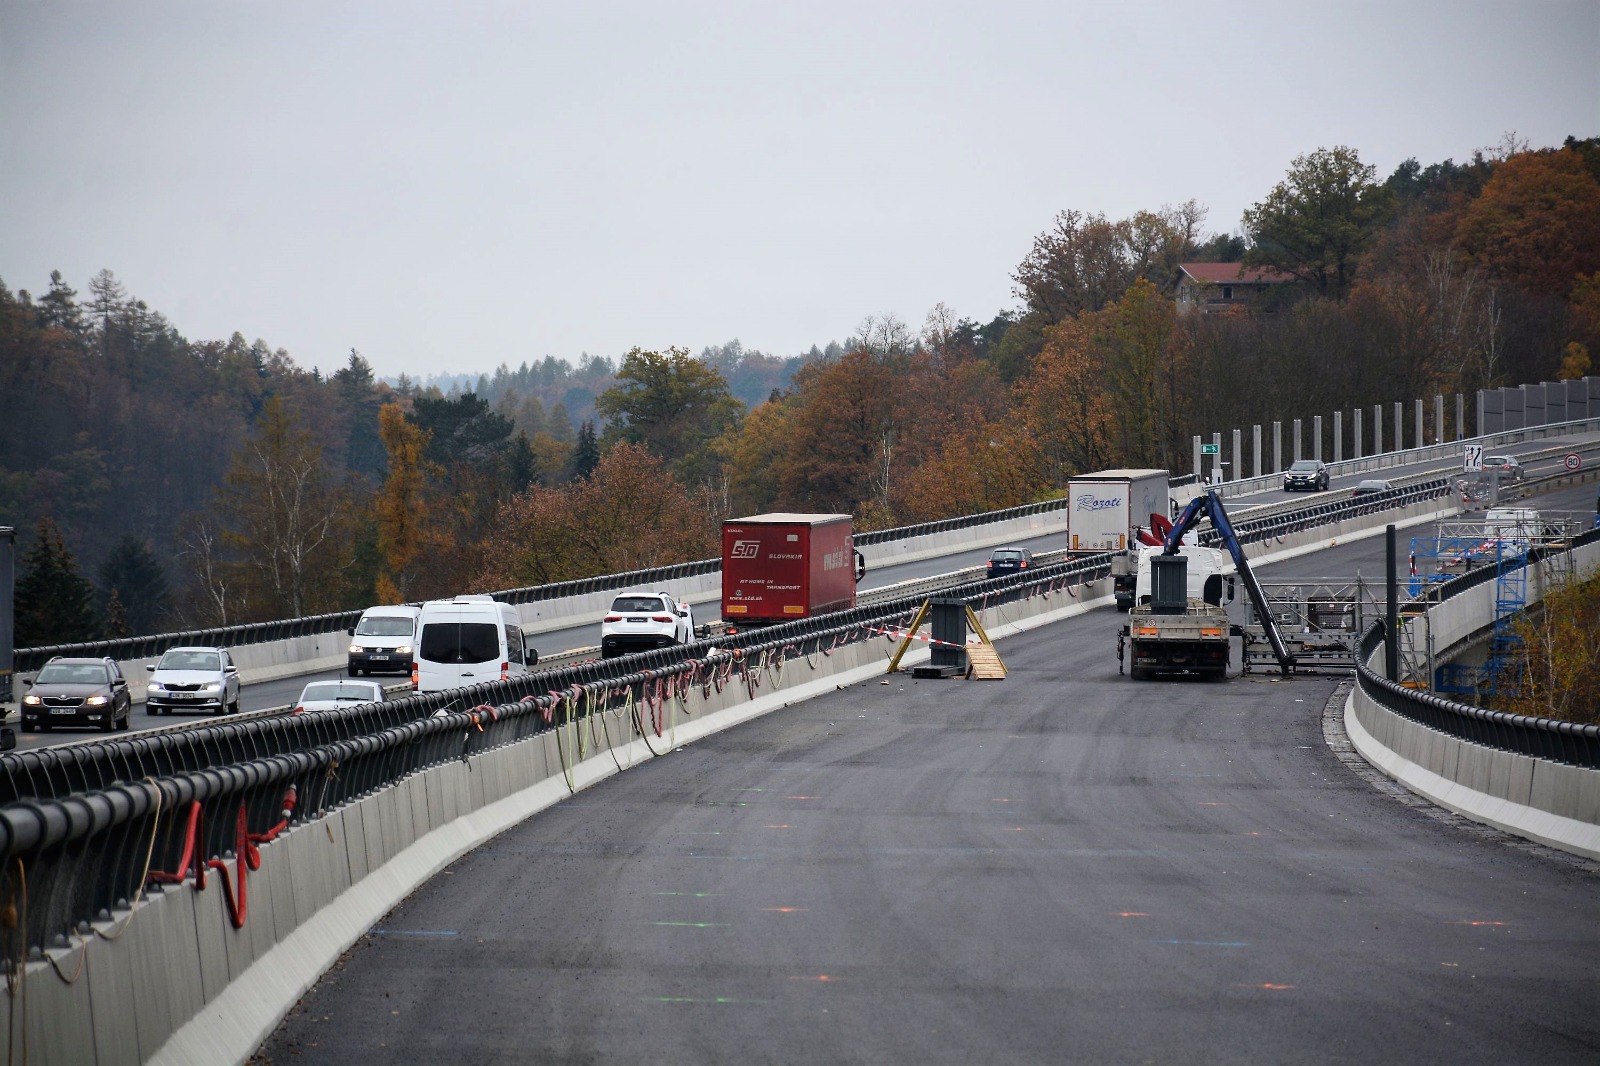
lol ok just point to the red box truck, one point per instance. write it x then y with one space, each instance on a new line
780 567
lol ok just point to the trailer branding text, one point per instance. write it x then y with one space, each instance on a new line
1087 502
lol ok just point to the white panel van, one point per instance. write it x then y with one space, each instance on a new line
383 640
467 641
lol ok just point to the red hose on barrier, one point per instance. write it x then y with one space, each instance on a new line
245 851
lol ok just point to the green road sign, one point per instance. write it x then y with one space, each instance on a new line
1210 449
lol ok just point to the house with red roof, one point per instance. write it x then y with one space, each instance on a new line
1213 288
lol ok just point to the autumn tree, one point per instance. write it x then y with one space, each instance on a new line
1317 221
1537 222
1145 380
282 512
1561 675
402 505
845 432
630 513
979 467
53 603
1063 402
1086 262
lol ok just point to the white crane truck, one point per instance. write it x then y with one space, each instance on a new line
1178 623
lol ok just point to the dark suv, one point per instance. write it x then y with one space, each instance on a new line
77 692
1306 475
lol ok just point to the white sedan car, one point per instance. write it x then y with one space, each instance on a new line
331 695
641 621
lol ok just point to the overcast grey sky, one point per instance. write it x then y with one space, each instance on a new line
451 186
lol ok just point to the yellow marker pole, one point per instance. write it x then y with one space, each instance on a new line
905 641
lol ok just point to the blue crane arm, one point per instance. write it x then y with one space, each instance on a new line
1210 506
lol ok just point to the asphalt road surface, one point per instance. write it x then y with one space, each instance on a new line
1065 866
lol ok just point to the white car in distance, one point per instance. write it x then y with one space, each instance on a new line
331 695
644 621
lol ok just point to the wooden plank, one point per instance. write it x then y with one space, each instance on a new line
983 663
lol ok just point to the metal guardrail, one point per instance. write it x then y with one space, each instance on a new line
1542 738
1253 527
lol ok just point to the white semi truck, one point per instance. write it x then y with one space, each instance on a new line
1105 509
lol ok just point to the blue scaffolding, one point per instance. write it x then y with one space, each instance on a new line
1462 549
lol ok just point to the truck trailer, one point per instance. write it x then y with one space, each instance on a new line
781 567
1105 509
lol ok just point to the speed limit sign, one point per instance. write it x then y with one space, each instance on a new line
1572 461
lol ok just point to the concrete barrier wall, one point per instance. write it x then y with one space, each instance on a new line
171 981
1550 802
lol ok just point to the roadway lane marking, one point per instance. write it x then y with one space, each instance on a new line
413 932
785 910
695 925
1206 943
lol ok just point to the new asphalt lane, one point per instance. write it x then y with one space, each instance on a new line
1065 866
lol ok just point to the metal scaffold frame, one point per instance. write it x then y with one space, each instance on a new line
1504 543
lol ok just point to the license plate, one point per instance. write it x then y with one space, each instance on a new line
63 710
379 658
184 696
638 619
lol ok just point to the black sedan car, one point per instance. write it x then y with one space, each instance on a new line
1306 475
77 692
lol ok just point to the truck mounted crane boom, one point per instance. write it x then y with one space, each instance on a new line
1210 506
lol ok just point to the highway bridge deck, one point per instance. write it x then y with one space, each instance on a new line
1064 866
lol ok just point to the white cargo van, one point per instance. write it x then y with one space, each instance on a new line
467 641
383 640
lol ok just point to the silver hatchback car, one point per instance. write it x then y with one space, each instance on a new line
193 679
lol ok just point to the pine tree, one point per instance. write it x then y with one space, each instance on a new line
116 626
586 455
132 575
54 604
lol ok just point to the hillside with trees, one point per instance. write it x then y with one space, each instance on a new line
162 483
